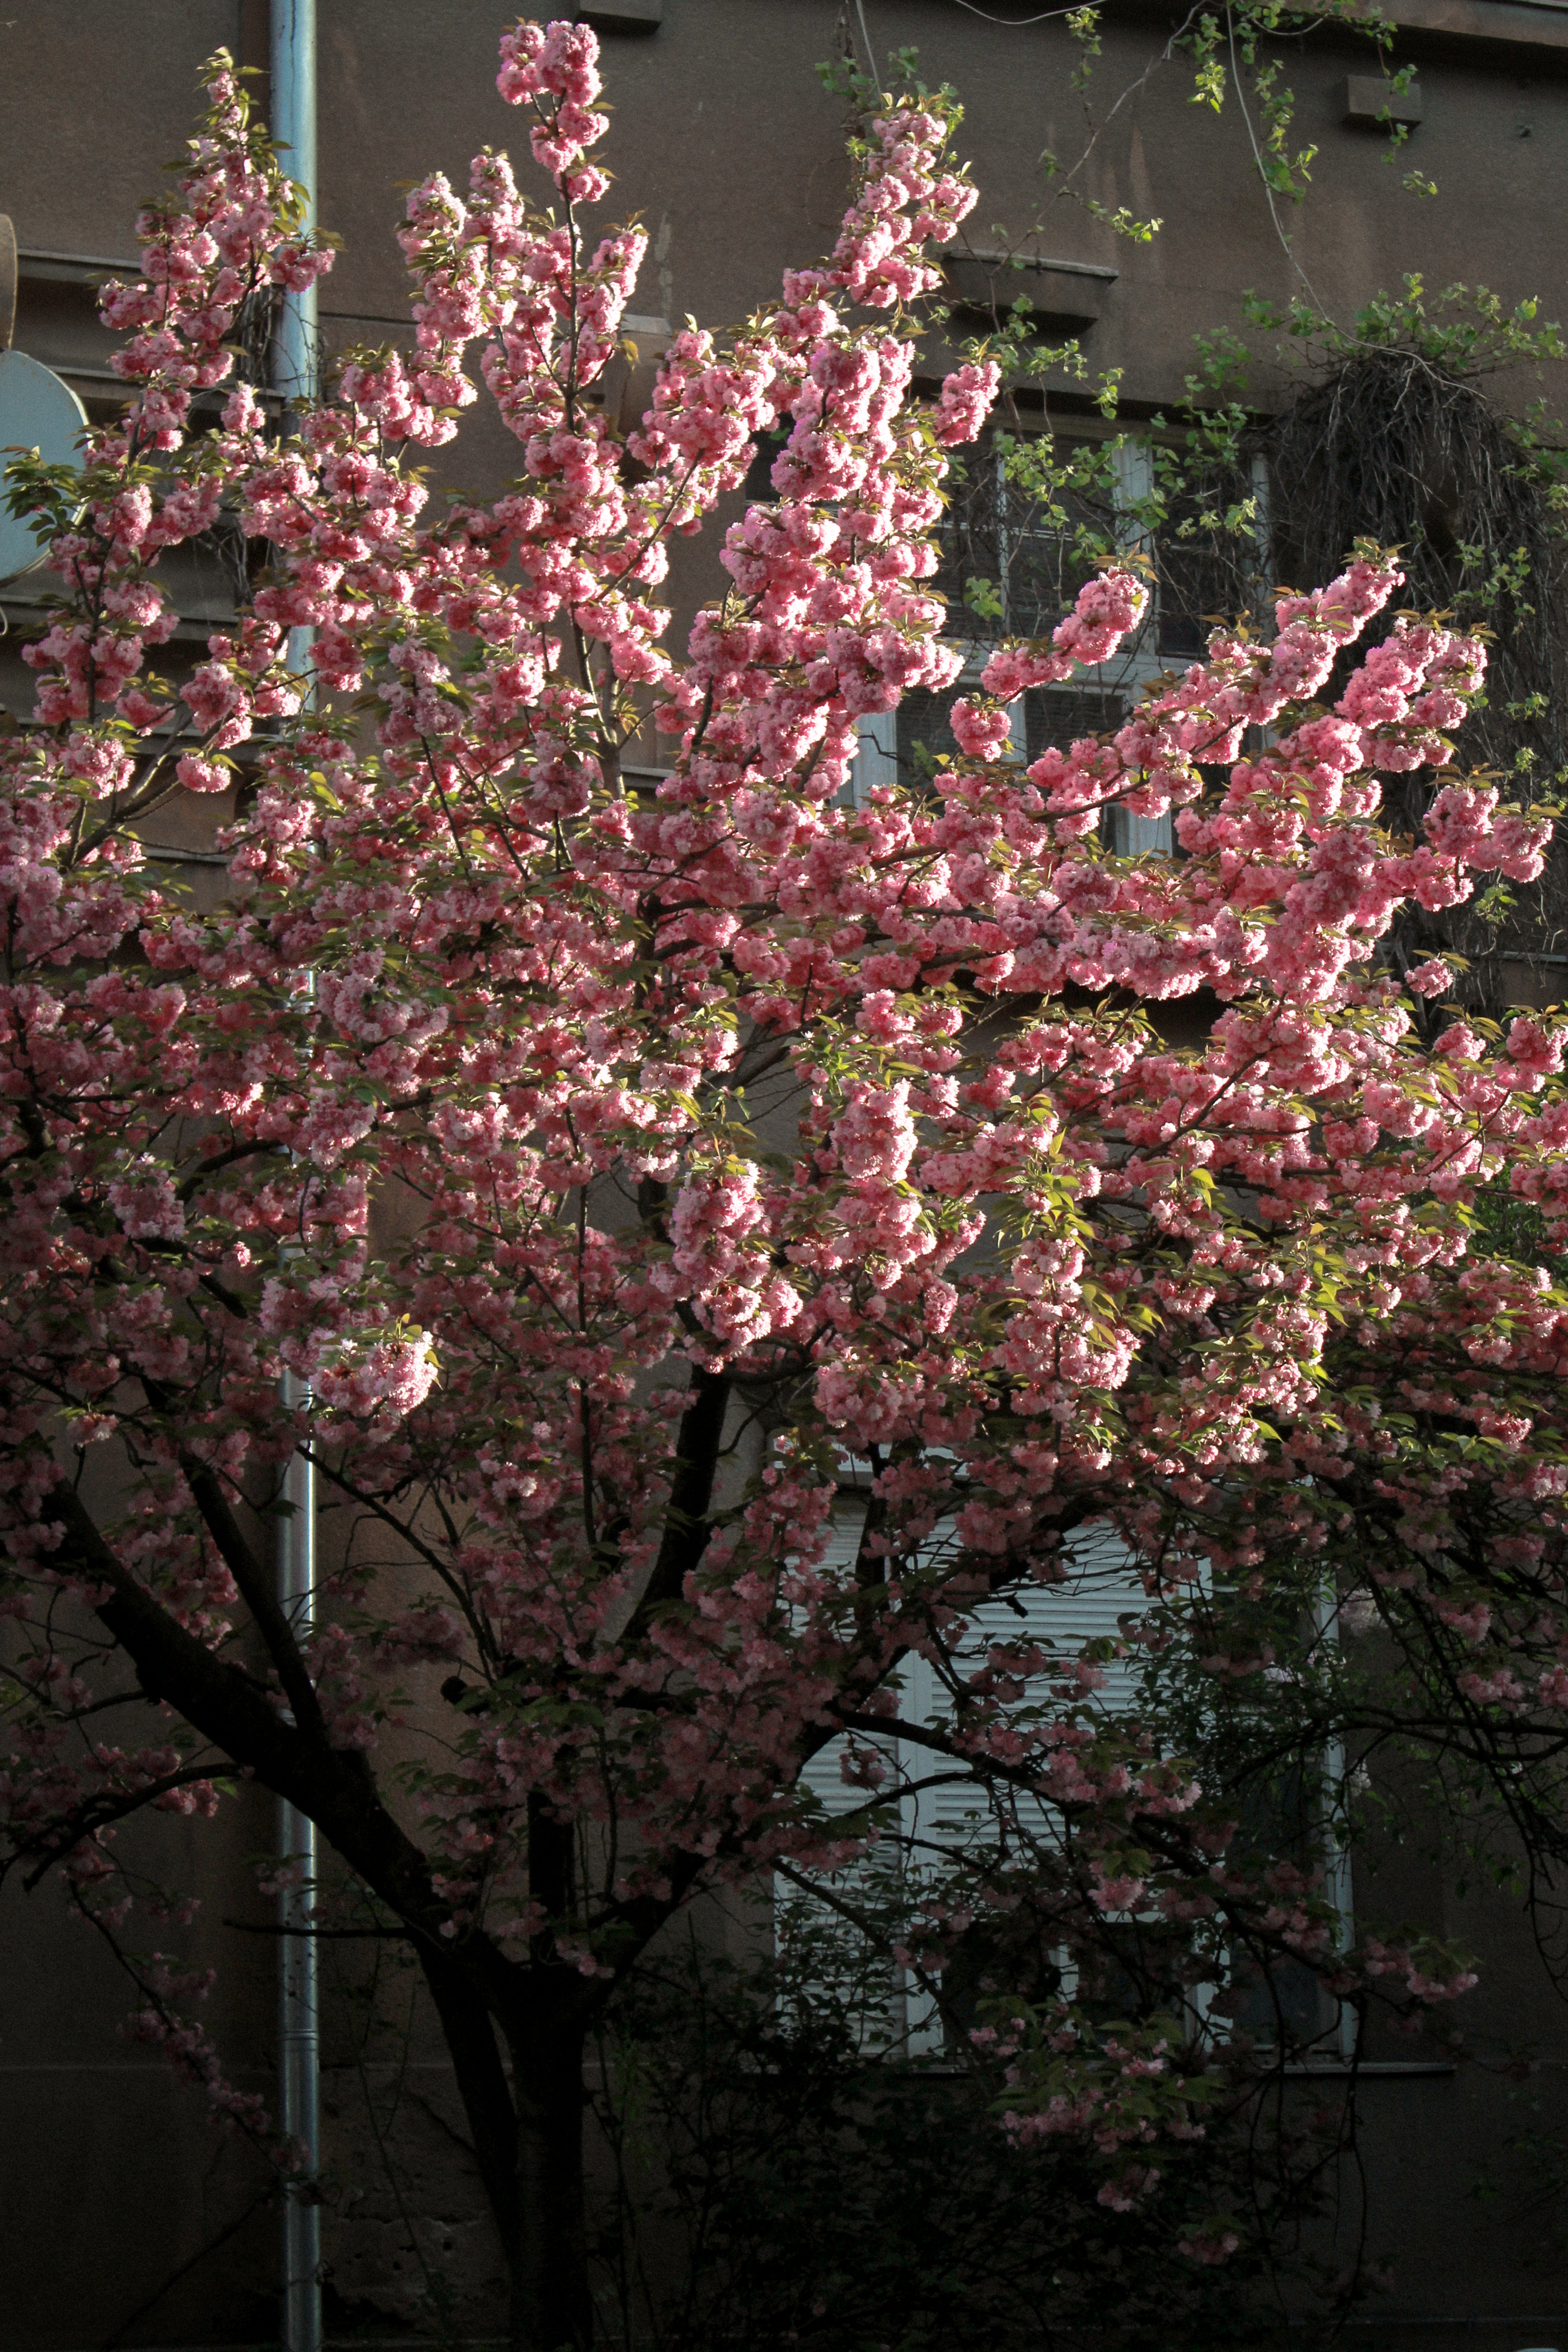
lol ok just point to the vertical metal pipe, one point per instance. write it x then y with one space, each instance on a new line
1338 1883
296 366
298 2026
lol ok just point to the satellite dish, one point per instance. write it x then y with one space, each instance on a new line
37 412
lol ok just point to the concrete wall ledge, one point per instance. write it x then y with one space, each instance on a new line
1507 28
1530 24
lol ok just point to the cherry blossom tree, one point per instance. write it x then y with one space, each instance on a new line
616 1170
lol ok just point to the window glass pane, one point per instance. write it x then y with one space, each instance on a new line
1023 543
925 740
1062 717
1208 554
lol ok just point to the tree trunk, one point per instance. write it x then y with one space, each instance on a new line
527 2139
470 2033
551 2306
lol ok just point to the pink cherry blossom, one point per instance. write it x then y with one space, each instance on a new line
734 1239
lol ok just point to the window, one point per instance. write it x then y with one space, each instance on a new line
933 1807
923 740
1208 570
910 743
929 1808
1030 519
1299 1815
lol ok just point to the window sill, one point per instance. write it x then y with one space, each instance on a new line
1384 2069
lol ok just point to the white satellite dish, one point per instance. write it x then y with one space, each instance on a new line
37 412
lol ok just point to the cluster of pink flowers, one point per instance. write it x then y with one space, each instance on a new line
733 1086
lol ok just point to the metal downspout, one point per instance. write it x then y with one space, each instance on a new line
298 2026
1338 1883
296 374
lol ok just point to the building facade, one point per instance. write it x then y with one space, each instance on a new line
126 2219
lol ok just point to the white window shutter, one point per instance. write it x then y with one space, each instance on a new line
1100 1588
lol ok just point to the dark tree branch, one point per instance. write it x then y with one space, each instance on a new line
333 1787
96 1814
691 1496
255 1585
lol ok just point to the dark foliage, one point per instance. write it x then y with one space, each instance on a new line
1397 445
830 2194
